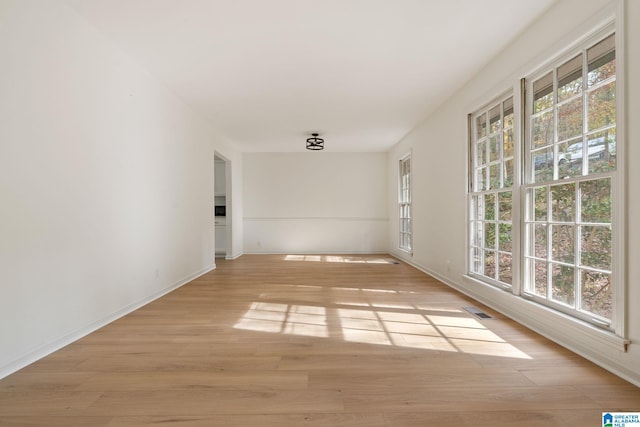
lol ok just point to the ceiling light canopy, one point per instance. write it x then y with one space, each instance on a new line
315 143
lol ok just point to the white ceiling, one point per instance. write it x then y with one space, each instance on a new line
267 73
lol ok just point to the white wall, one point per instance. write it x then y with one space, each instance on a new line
106 183
315 202
439 178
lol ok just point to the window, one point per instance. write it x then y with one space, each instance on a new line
572 163
404 203
561 211
491 195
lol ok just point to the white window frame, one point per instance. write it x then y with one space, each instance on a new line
615 332
616 323
405 221
477 192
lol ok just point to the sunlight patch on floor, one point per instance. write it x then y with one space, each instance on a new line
390 325
339 258
286 319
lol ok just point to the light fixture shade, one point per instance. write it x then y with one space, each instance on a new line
315 143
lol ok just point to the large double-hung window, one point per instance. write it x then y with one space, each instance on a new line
554 205
572 159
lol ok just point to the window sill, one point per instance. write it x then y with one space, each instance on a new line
580 336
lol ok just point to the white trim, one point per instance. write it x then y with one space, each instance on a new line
46 349
620 185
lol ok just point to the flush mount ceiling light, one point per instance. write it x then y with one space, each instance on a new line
315 143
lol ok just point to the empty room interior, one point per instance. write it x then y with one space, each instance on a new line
319 213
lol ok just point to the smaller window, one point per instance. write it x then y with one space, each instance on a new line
404 203
491 193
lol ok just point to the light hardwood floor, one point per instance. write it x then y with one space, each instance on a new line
313 341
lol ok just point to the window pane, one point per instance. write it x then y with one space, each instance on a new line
481 126
540 204
601 72
543 164
481 153
476 260
490 264
570 119
490 206
597 295
494 176
562 284
563 202
595 201
540 240
476 233
507 107
490 235
494 120
542 129
508 173
504 238
540 278
563 243
601 107
596 247
404 240
507 143
494 148
543 93
570 78
602 151
602 61
481 179
504 206
474 207
570 158
505 275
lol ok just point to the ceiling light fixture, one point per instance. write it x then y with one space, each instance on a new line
315 143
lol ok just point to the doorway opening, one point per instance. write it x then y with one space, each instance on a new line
222 206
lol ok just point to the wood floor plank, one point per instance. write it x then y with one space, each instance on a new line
263 420
431 376
54 421
46 402
190 380
211 402
475 399
319 340
556 418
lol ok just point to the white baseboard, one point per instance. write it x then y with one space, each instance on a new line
235 256
55 345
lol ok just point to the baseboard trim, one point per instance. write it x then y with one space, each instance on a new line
232 257
57 344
